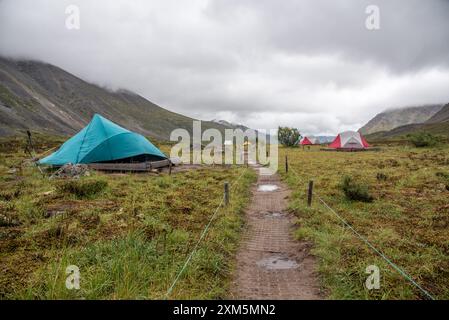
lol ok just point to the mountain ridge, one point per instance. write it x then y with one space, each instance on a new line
438 124
45 98
440 116
394 118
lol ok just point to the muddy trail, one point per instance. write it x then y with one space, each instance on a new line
270 263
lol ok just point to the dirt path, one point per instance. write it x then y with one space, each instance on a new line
270 263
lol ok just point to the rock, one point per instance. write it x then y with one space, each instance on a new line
69 170
46 193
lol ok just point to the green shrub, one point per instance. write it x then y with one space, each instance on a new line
7 221
81 188
423 139
445 177
56 231
355 191
381 176
288 136
9 195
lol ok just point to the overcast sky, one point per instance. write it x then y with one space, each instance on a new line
309 64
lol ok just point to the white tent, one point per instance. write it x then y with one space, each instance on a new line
349 140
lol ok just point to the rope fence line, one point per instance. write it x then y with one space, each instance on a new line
203 234
371 246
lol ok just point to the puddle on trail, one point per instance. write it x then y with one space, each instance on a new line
266 172
274 214
277 262
267 187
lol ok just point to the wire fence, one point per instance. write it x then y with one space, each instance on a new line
203 234
370 245
401 271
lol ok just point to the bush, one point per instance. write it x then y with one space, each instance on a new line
445 177
288 136
355 191
82 188
9 195
7 221
381 176
423 139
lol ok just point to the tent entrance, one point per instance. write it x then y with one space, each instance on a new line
353 143
141 158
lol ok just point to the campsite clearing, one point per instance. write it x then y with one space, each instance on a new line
129 234
408 219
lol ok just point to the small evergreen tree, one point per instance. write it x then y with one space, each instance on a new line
288 136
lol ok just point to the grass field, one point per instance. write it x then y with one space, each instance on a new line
408 219
129 234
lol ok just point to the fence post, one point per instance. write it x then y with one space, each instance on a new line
169 167
286 164
310 193
226 193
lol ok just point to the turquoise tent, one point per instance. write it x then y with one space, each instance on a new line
104 141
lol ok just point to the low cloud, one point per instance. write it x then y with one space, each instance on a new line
308 64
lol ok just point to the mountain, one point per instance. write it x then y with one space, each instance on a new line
438 124
391 119
230 125
44 98
440 116
325 139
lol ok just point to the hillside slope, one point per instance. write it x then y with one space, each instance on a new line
440 116
438 124
45 98
391 119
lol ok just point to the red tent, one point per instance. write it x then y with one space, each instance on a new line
349 140
306 142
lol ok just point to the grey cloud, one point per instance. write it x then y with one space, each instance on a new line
413 34
310 64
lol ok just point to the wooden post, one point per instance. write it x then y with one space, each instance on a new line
29 139
286 164
169 167
310 193
226 193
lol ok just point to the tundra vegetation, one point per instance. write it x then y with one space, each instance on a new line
129 234
397 198
424 139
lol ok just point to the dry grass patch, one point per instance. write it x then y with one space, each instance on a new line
129 234
406 219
